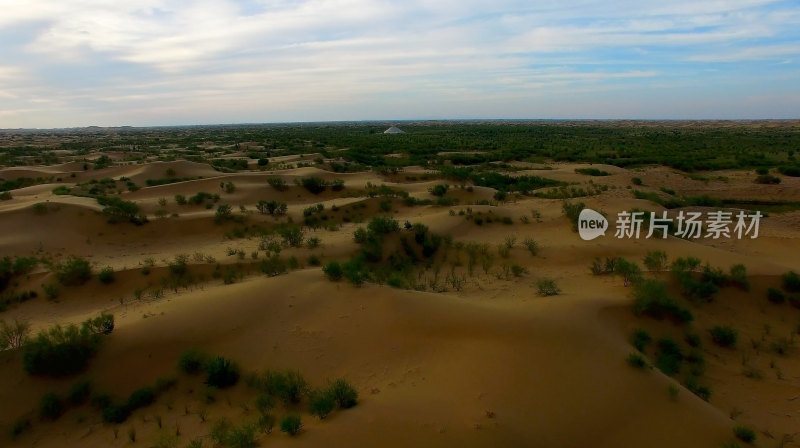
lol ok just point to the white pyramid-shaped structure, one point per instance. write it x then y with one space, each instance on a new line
394 130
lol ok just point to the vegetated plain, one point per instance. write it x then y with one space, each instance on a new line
326 284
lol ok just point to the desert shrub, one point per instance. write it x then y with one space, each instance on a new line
241 437
636 181
745 434
191 361
313 260
669 356
572 211
724 335
266 422
264 403
73 272
698 389
291 424
106 275
120 210
180 199
221 372
220 430
592 171
50 406
693 339
141 398
767 179
547 287
333 270
313 184
628 270
13 335
277 183
791 171
292 236
641 339
637 361
115 413
343 393
531 245
273 265
791 281
320 404
383 225
224 213
655 260
650 297
775 295
439 190
289 386
738 277
60 351
102 324
517 270
79 393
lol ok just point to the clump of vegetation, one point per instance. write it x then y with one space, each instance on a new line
547 287
592 171
221 372
724 335
62 351
291 424
13 335
650 297
51 406
669 356
744 433
791 281
775 295
277 183
74 271
637 361
106 275
572 210
641 339
655 260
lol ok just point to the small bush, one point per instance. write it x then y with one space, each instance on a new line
669 356
333 270
637 361
141 398
791 281
51 407
291 424
60 351
745 434
650 297
641 339
775 295
191 361
221 373
724 335
106 275
343 393
320 404
115 413
74 272
547 287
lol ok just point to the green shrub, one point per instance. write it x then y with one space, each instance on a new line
79 393
650 297
745 434
738 277
191 361
221 373
592 172
791 281
141 398
343 393
724 335
100 325
628 270
313 184
106 275
51 407
60 351
289 386
320 404
547 287
73 272
669 356
655 260
636 181
291 424
277 183
439 190
641 339
115 413
637 361
333 270
775 295
698 389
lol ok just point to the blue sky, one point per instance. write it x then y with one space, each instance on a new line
164 62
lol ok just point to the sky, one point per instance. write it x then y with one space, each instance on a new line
66 63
